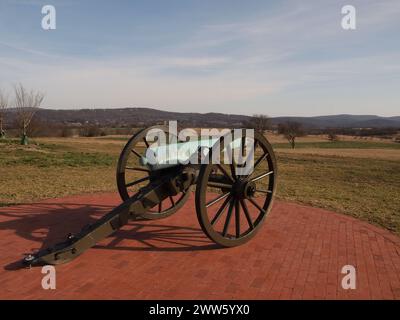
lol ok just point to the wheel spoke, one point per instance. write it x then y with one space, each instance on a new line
233 170
209 204
219 185
220 210
232 164
138 169
247 214
263 191
241 153
256 205
160 207
256 164
262 176
172 200
253 151
226 174
136 182
145 142
228 218
237 218
136 153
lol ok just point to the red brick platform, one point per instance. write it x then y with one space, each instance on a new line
298 254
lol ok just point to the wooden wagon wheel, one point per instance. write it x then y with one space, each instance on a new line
132 175
231 208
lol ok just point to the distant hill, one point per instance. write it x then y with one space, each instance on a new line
146 116
135 117
343 121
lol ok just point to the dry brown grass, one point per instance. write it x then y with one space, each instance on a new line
275 138
365 188
25 184
383 154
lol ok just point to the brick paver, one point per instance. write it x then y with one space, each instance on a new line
298 254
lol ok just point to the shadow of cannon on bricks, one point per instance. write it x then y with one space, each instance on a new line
44 224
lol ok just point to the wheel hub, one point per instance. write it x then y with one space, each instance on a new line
243 189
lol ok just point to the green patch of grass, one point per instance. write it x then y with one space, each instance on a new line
13 141
340 145
53 156
114 138
27 183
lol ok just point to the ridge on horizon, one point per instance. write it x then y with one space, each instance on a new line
144 116
221 113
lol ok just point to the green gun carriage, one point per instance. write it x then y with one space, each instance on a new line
230 207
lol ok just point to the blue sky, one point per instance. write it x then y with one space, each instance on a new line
243 57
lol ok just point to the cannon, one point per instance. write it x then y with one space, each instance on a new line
231 203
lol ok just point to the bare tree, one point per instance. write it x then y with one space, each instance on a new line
332 136
291 130
259 122
3 107
26 104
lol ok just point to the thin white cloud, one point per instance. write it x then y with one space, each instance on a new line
192 62
26 50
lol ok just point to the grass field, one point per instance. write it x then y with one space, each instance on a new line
340 145
358 178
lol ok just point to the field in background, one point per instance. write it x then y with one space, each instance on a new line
357 177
